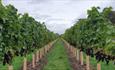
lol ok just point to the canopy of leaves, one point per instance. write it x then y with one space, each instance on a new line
21 31
96 31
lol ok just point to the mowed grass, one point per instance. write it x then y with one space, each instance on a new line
57 58
104 66
17 63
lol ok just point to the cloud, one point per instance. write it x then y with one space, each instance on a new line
37 1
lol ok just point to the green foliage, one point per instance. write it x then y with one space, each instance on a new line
21 31
95 31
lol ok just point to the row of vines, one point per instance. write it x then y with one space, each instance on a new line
94 35
20 34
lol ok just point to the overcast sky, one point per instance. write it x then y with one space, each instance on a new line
58 15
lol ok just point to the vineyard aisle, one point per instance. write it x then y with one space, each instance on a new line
60 59
57 58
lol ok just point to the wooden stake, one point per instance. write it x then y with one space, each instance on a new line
10 67
70 48
87 63
98 66
77 54
73 51
33 61
44 51
68 45
25 64
36 56
81 57
47 48
41 52
39 55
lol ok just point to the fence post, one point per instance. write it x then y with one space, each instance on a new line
87 63
10 67
33 60
25 64
98 66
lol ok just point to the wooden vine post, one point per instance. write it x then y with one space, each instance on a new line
81 57
77 55
98 66
36 56
10 67
45 49
75 52
87 63
25 64
41 53
39 56
72 50
68 45
48 47
33 61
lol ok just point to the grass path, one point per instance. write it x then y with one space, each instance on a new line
57 58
